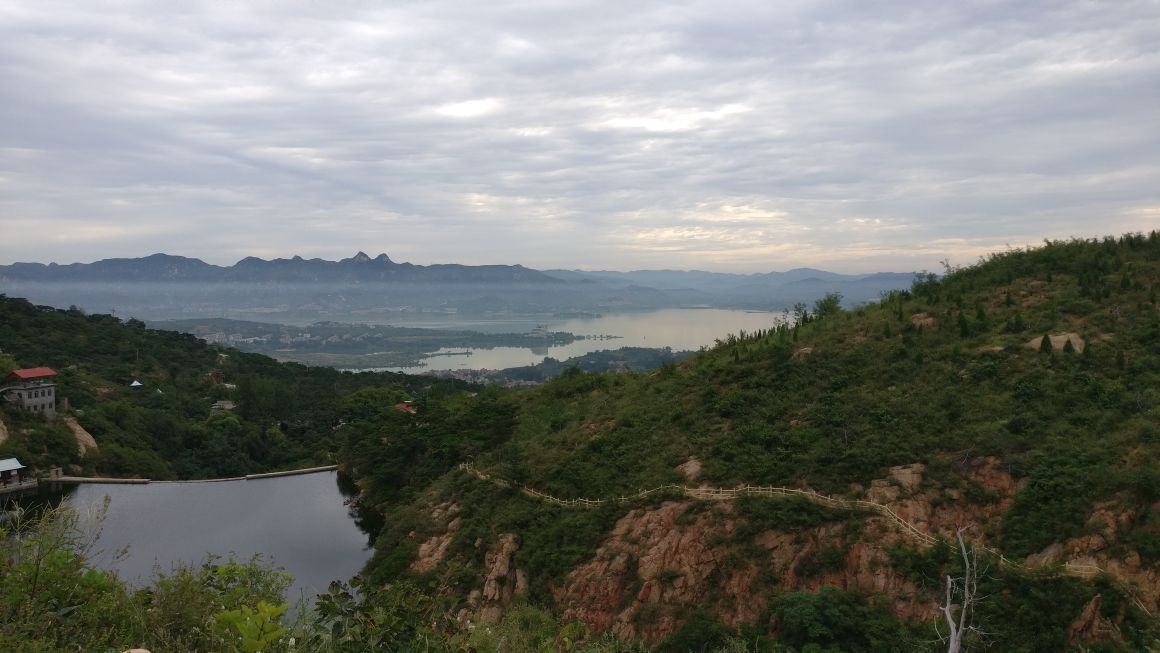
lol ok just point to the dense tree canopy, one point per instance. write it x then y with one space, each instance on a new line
285 414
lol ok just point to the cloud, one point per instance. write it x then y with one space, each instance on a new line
741 136
469 108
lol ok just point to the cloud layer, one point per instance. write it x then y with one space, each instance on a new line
742 136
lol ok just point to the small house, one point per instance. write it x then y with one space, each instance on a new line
32 389
11 472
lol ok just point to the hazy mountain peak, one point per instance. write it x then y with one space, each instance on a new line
157 267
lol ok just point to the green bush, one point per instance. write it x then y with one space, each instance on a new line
834 620
699 634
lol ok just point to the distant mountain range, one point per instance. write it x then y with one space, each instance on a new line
359 268
695 287
366 289
684 279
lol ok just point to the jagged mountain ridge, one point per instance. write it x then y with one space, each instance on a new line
362 267
359 268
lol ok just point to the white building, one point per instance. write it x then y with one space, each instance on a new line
32 389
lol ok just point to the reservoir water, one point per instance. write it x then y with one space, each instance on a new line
678 328
297 522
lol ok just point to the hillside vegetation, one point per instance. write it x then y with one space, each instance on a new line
951 374
285 413
943 405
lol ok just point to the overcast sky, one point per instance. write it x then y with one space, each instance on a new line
733 136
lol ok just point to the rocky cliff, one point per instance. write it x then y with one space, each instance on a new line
661 562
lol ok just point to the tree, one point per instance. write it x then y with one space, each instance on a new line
964 326
1045 344
964 590
830 304
801 314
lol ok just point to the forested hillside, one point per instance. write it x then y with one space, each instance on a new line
284 415
1011 403
943 402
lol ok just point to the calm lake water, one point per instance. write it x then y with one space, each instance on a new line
298 522
679 328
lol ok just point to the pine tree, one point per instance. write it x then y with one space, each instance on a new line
1045 344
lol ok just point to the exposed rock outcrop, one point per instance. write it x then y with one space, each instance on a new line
690 469
434 549
3 432
1090 628
923 320
942 511
802 353
1093 549
1058 342
660 563
502 582
660 560
85 440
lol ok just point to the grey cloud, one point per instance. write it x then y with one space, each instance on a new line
881 135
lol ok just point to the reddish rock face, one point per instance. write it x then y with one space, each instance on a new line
1092 549
433 550
658 563
502 581
1090 628
658 560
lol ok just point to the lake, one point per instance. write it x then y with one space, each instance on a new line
678 328
298 522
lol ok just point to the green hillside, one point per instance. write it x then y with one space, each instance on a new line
849 394
950 374
285 413
879 434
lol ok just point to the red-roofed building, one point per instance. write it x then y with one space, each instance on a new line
32 373
32 389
